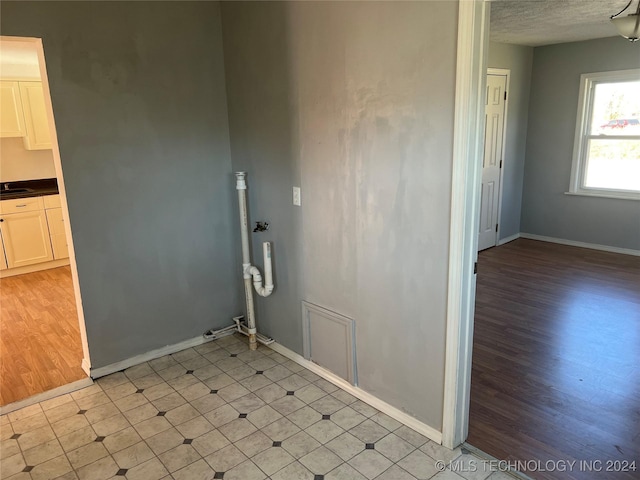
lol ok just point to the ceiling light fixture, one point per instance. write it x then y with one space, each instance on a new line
629 26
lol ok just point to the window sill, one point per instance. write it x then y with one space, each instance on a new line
617 196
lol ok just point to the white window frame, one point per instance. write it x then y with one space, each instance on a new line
588 81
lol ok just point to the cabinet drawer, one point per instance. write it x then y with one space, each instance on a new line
55 221
52 201
19 205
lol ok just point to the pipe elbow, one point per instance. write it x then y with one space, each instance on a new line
263 291
255 273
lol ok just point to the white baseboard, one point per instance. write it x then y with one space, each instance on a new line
151 355
49 394
593 246
395 413
508 239
36 267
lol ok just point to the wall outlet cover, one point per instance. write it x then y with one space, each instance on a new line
296 196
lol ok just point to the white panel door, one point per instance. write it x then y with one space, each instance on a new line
492 160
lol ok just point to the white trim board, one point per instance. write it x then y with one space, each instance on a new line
471 79
49 394
36 267
508 239
395 413
573 243
152 355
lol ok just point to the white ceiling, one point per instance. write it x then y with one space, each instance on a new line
544 22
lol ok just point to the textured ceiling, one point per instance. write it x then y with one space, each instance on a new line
544 22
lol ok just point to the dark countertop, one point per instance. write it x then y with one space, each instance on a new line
28 188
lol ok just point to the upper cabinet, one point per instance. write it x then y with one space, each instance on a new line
23 114
35 116
11 115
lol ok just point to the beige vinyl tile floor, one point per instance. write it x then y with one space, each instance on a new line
217 411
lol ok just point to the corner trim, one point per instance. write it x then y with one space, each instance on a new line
471 78
508 239
86 366
151 355
402 417
573 243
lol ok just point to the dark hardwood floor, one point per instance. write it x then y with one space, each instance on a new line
556 359
40 346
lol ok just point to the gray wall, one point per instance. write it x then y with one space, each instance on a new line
555 83
354 103
139 101
518 59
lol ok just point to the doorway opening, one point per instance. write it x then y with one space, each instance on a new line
42 330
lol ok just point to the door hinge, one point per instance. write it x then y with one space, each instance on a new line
505 94
475 268
496 228
500 163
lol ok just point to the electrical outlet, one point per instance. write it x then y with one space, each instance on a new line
296 196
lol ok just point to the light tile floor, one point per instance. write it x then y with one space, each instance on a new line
216 411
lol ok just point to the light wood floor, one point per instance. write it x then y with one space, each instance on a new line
556 357
40 346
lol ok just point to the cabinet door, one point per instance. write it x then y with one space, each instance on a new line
58 237
26 238
3 259
60 247
35 116
11 116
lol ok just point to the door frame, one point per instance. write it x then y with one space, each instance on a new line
37 43
507 73
468 143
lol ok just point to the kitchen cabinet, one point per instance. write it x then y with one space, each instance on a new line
25 234
11 114
38 136
56 227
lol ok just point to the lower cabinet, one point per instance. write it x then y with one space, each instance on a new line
25 237
56 232
31 231
3 258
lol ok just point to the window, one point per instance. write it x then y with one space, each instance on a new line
606 154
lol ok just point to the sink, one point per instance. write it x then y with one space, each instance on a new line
16 190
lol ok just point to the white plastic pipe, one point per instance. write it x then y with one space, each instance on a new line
249 272
263 291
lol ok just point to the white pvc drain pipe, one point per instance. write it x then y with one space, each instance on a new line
251 273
